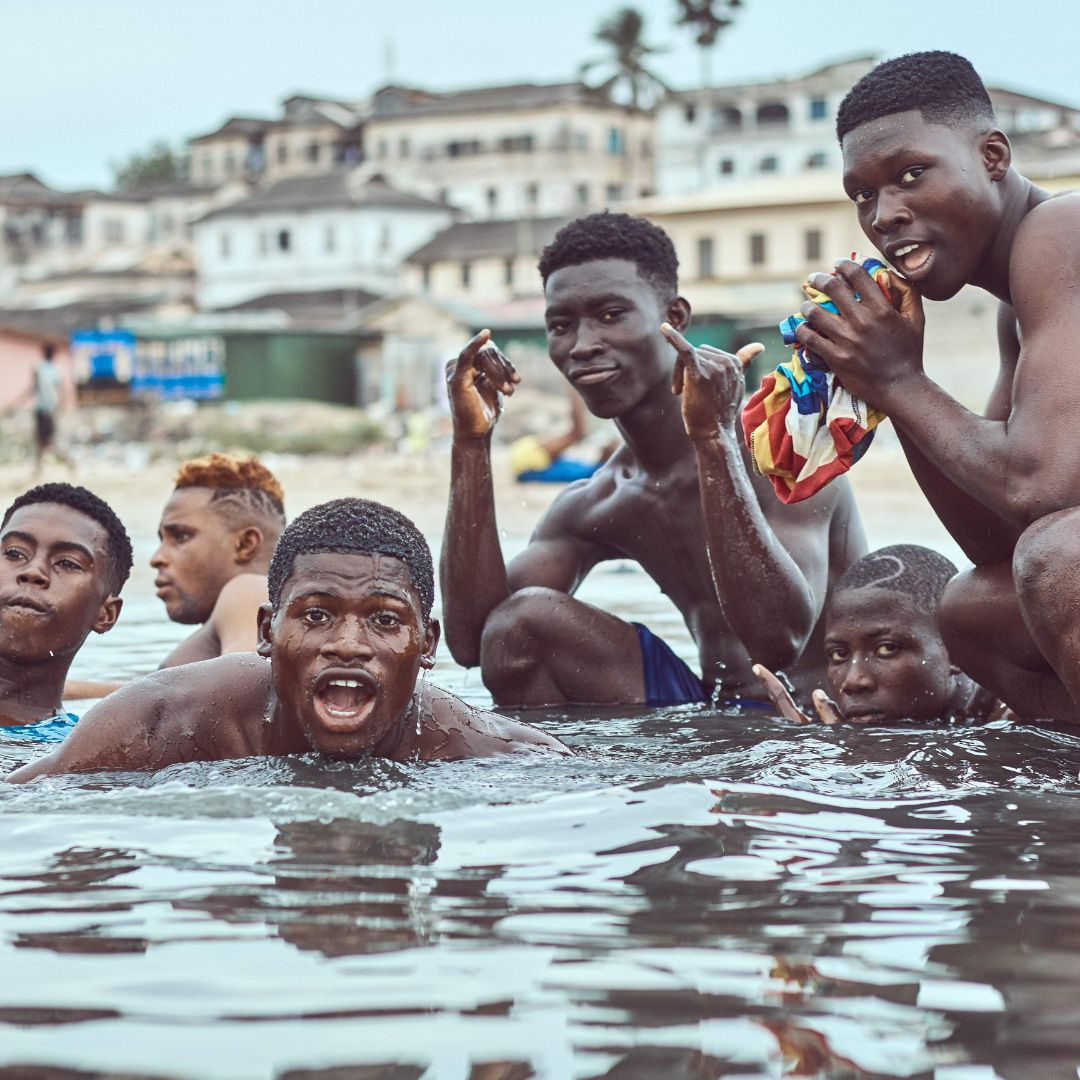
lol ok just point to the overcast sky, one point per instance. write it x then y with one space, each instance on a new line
87 82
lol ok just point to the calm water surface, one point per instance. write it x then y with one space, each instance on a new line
692 895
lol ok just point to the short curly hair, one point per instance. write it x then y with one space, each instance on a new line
943 86
118 545
237 483
910 569
616 236
355 527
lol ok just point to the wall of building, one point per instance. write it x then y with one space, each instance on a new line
216 160
303 150
475 281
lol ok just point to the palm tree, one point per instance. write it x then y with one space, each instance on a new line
623 32
707 18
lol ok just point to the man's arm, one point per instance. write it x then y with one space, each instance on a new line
1022 467
121 733
771 572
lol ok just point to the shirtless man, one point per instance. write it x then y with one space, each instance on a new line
610 283
65 558
347 631
931 178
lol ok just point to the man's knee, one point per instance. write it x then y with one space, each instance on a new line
1046 567
519 632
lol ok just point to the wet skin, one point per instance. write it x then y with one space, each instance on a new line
54 590
1007 484
342 619
887 662
535 643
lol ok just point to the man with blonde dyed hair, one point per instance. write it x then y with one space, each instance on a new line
217 534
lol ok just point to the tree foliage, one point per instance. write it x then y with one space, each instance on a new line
159 164
623 32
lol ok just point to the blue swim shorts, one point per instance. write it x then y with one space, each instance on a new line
668 681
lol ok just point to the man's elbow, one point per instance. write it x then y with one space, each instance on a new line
1031 494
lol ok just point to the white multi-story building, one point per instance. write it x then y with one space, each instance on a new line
337 231
511 151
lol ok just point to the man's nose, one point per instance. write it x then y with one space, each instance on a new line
890 212
157 560
349 642
587 344
34 572
858 679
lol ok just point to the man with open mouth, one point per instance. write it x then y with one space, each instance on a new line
931 177
347 632
64 557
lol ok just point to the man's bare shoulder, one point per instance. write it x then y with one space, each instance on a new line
1046 249
246 592
460 730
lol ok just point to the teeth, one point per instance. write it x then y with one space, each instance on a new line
350 683
905 250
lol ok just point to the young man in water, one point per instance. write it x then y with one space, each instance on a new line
748 574
347 631
64 557
931 178
217 533
886 661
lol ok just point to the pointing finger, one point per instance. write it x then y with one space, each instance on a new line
779 695
748 352
826 709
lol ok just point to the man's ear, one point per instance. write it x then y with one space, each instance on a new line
432 633
996 154
678 313
107 614
248 544
265 618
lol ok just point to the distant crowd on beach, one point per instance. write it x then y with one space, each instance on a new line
317 635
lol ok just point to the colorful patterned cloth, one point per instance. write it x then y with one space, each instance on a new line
802 427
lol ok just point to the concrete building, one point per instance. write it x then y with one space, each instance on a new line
314 136
233 151
511 151
729 135
335 231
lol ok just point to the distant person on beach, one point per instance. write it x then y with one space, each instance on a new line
931 178
46 395
678 492
885 658
65 559
217 534
543 459
342 643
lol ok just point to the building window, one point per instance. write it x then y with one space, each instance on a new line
813 245
581 140
532 195
329 239
114 231
517 144
582 194
817 160
769 163
384 148
284 240
403 146
613 192
757 249
690 113
264 243
425 277
463 148
727 166
228 163
508 272
615 141
384 239
725 118
492 196
313 153
705 257
282 152
772 113
224 244
466 275
819 108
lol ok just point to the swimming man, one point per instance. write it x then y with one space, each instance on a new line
65 558
748 574
931 177
342 642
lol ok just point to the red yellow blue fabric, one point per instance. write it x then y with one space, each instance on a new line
802 427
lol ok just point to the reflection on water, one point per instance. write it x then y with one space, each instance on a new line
693 895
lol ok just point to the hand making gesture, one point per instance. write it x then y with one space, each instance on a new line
476 382
778 694
711 382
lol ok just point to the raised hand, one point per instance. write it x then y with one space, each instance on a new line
711 383
785 705
476 382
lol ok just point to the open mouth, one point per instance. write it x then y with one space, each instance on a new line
344 700
913 259
593 376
